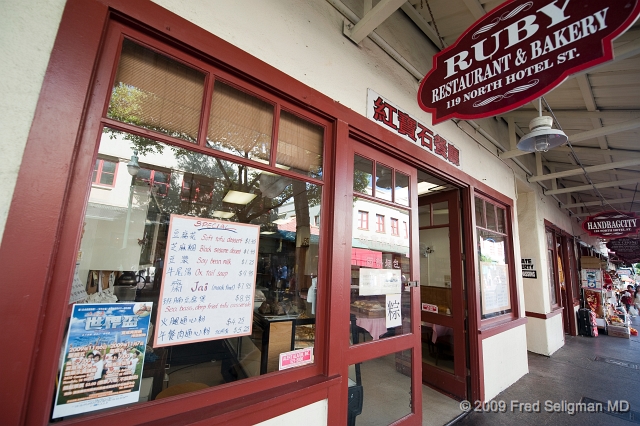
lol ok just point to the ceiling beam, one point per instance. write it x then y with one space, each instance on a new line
599 203
373 19
619 54
595 151
607 130
527 115
476 8
590 169
589 187
424 26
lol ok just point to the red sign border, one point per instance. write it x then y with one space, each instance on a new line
607 44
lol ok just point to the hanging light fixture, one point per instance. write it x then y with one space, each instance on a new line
132 166
542 137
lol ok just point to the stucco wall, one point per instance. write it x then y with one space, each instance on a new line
28 31
544 337
505 360
310 415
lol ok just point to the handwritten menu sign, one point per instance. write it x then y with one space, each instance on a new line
208 281
379 281
494 287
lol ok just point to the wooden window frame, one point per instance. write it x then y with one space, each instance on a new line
395 227
99 172
363 219
380 228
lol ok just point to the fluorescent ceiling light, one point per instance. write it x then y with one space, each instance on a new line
424 187
267 232
238 197
223 215
282 221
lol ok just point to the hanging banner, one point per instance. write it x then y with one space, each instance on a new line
611 224
518 52
208 281
103 357
627 249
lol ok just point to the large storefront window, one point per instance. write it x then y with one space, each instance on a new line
495 282
199 267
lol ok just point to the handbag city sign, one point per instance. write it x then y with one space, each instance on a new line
518 52
611 224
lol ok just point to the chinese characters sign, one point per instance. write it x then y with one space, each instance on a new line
393 314
393 118
611 224
103 357
208 281
518 52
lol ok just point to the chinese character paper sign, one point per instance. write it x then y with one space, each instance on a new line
103 357
208 281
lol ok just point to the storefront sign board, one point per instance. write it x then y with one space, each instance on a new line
374 282
529 268
494 288
208 281
103 357
519 51
612 224
391 117
627 249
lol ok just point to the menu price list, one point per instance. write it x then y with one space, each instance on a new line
208 281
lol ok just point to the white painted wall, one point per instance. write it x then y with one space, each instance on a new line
544 337
28 32
505 360
315 414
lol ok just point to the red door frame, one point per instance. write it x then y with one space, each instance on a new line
35 260
456 383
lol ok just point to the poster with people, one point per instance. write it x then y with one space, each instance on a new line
103 357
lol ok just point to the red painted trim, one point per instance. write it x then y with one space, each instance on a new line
51 220
501 328
544 316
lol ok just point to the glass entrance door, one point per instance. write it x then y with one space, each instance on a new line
443 310
384 344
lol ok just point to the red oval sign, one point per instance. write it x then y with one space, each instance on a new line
518 52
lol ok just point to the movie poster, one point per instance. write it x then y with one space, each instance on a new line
103 357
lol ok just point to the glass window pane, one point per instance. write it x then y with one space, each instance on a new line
157 93
362 175
106 178
379 269
480 213
500 220
379 391
435 269
441 213
437 346
126 241
108 166
424 215
402 189
240 124
300 145
551 268
491 217
384 184
495 291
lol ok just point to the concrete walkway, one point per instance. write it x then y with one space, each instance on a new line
572 375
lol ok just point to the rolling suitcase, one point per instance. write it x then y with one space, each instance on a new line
584 322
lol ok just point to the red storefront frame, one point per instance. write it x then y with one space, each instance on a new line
35 255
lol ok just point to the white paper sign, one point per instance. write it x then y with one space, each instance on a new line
394 310
208 281
379 281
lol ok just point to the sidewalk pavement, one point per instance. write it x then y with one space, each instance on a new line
573 374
